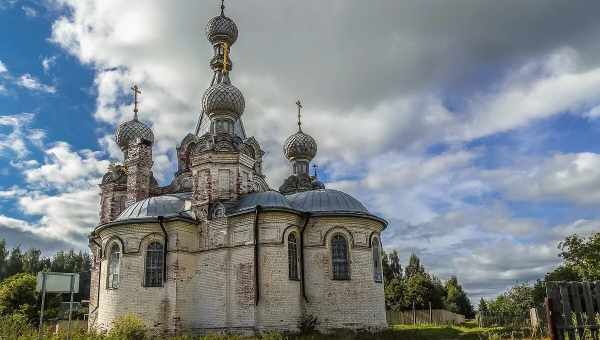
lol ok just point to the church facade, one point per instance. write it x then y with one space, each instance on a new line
217 249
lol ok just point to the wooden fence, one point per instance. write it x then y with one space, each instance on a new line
433 316
572 310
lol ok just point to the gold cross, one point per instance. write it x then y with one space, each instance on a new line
225 56
136 91
299 104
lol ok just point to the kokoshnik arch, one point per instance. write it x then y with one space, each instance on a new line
217 249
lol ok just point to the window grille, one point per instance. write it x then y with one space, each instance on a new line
154 265
293 256
339 258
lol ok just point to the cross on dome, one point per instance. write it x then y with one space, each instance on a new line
136 91
299 104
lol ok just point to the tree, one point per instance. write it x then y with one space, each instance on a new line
391 266
18 296
31 261
3 255
483 307
418 290
456 299
414 267
582 255
14 263
394 294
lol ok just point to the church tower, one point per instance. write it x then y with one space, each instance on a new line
300 148
224 163
135 140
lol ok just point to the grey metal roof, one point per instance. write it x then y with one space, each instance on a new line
165 205
326 200
266 199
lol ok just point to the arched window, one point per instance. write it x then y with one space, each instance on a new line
154 265
339 258
293 256
114 263
377 273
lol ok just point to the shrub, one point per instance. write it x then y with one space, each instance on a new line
128 327
273 336
308 324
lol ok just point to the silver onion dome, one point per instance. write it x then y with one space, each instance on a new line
130 130
300 146
221 29
223 98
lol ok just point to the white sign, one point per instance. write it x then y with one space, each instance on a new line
57 282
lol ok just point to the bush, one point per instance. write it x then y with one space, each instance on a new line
17 295
15 326
308 324
128 327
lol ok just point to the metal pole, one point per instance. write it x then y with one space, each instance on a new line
430 314
42 309
70 308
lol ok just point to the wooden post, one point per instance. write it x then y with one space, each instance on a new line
430 314
550 318
414 314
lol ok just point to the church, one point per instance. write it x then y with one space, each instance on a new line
218 250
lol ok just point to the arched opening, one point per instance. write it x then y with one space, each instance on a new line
293 256
377 272
114 265
339 258
154 265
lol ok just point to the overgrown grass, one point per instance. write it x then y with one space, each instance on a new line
130 328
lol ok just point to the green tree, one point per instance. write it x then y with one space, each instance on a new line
414 267
457 300
418 290
32 261
14 264
3 255
582 255
391 266
483 307
394 294
18 296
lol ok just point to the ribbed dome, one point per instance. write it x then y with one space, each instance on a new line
300 145
223 98
130 130
166 206
326 200
221 28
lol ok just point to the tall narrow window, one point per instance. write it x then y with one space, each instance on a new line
114 263
293 256
339 258
377 273
154 265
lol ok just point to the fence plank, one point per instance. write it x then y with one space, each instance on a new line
557 316
566 311
577 309
589 309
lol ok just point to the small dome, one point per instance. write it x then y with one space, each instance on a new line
221 28
131 130
326 200
223 98
300 145
165 205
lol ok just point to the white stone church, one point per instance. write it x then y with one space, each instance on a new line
217 250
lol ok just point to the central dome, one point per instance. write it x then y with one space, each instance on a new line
223 98
131 130
300 145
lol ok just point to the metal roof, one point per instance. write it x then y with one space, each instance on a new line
266 199
165 205
325 200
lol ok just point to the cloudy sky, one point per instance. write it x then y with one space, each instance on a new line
470 125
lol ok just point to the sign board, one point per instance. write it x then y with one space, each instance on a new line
58 282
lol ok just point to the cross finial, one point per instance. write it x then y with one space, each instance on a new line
299 104
223 7
315 167
136 91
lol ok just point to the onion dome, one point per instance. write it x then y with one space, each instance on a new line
221 29
130 131
223 98
300 146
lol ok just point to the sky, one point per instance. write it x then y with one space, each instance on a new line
469 126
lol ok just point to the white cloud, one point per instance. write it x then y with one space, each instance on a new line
3 68
48 62
30 82
15 140
29 11
572 177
